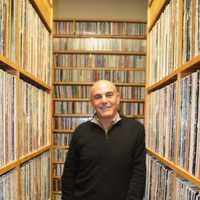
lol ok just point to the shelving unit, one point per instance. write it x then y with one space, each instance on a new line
172 113
18 110
86 50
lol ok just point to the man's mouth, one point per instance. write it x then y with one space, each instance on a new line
105 108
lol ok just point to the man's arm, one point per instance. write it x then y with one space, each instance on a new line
70 170
138 179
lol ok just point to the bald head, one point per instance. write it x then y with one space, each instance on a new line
103 84
105 99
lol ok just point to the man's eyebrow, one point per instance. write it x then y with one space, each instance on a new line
97 94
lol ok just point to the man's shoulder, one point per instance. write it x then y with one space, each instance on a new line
83 126
131 122
81 130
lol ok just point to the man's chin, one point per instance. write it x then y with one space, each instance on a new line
106 116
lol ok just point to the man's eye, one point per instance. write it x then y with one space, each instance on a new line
109 94
97 97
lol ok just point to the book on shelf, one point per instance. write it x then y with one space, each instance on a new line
160 183
80 27
7 184
98 61
35 43
36 171
34 119
8 137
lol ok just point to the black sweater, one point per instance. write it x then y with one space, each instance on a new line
100 167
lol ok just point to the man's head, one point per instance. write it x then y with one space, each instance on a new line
105 99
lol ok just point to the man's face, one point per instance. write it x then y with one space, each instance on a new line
105 100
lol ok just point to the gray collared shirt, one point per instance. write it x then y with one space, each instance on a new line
97 121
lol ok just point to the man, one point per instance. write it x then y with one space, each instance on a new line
106 158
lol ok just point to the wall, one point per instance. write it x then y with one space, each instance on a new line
115 9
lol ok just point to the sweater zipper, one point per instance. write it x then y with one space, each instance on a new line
106 135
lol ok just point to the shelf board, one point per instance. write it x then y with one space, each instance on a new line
132 100
58 162
135 116
192 65
9 166
31 78
13 164
98 20
150 2
155 10
91 83
56 192
103 68
169 78
179 171
45 12
136 37
108 52
5 63
63 131
33 154
71 99
56 177
72 115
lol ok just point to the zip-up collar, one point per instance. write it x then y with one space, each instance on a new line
96 120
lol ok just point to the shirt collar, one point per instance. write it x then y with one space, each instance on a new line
96 120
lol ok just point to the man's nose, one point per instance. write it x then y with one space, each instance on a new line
104 99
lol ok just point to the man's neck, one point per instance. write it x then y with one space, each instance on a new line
106 123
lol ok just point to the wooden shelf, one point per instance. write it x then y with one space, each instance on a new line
56 177
104 68
135 116
34 80
72 115
9 166
192 65
34 154
90 83
99 52
99 20
57 162
13 164
45 12
150 2
137 37
166 80
155 10
70 99
179 171
63 131
177 40
16 50
6 64
54 192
